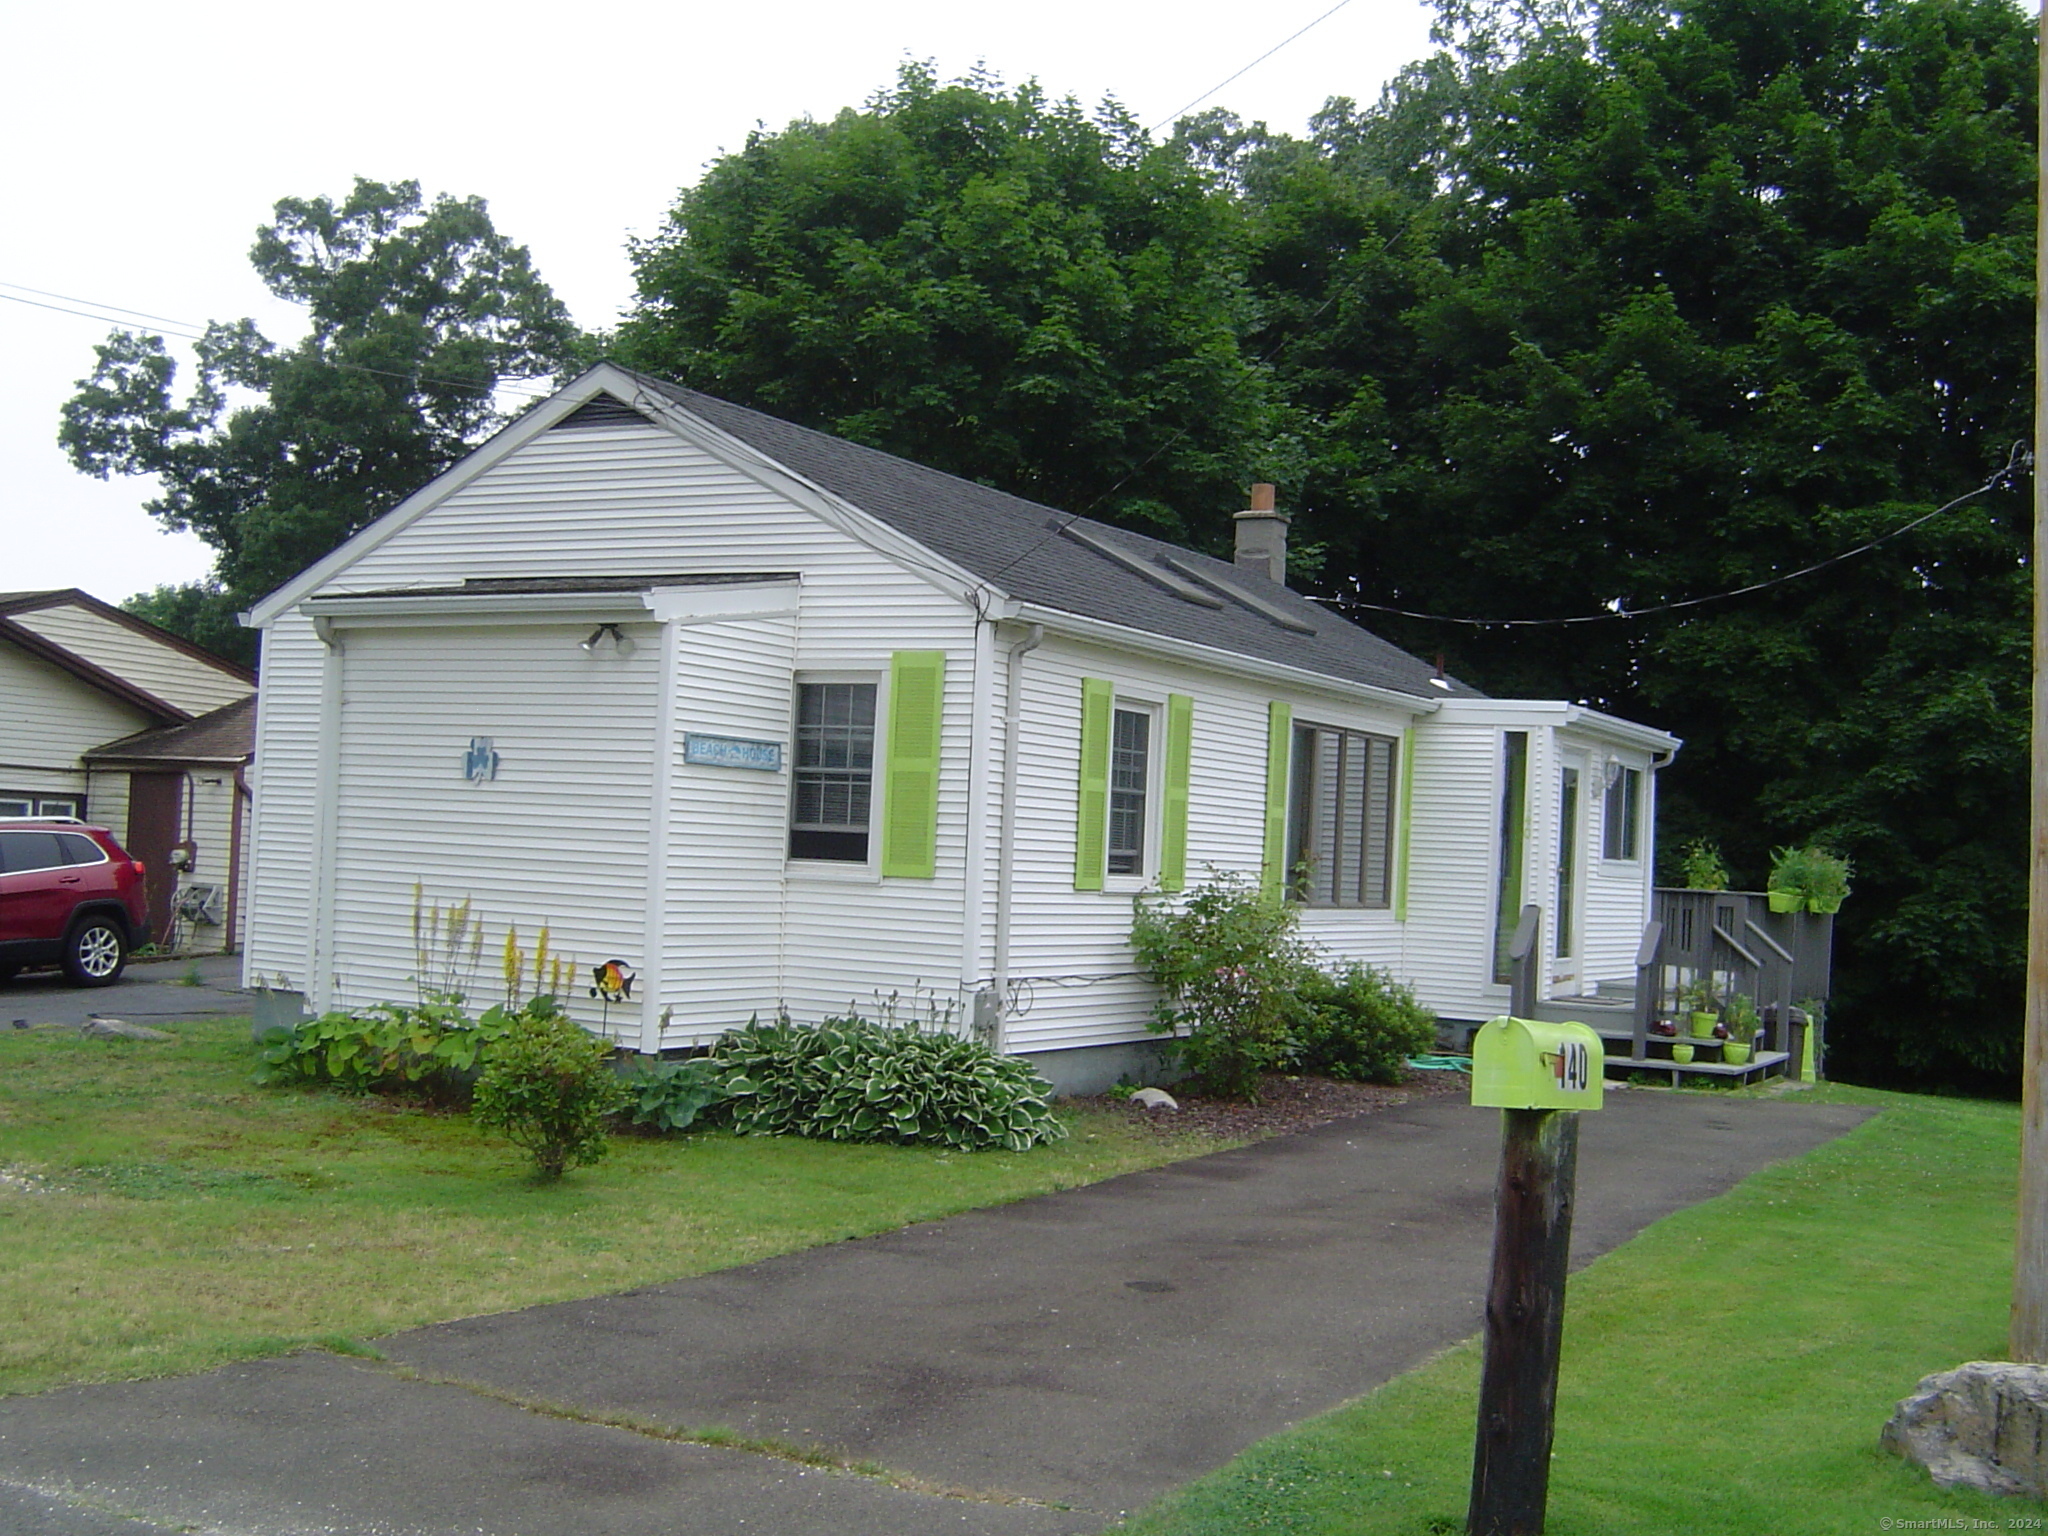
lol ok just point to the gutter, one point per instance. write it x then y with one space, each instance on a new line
1217 659
1006 836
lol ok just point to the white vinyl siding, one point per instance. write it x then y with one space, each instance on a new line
635 501
49 720
160 670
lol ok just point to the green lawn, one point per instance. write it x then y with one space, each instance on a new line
1728 1370
158 1214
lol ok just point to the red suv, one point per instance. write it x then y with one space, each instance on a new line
69 896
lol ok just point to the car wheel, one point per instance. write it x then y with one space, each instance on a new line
95 953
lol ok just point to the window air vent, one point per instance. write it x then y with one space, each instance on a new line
600 411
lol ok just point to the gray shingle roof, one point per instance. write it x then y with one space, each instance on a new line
223 735
1016 546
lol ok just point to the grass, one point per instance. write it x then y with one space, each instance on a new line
1727 1370
159 1214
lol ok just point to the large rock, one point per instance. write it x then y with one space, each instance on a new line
1982 1425
120 1029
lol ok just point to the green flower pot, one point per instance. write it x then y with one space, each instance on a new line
1734 1053
1703 1025
1786 901
1681 1051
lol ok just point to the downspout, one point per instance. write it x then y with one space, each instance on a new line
320 980
238 800
974 878
1006 836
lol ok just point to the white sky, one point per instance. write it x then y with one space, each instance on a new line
147 142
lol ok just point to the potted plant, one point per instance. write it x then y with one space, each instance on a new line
1696 998
1701 868
1809 879
1681 1051
1741 1027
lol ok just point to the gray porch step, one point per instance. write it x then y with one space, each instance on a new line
1761 1064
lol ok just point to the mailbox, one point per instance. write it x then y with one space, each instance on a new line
1528 1064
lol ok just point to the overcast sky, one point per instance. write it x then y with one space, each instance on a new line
147 143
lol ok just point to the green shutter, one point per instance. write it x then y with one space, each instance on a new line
1406 813
910 815
1279 753
1091 808
1173 830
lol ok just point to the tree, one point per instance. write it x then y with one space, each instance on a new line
1620 303
981 280
418 312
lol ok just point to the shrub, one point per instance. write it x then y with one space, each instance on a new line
432 1048
1359 1025
851 1080
1229 962
670 1095
549 1086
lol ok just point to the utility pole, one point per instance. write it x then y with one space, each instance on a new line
2029 1340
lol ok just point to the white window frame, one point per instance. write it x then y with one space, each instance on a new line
1154 711
867 870
1630 823
1297 767
39 806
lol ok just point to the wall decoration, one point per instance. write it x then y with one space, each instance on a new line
480 763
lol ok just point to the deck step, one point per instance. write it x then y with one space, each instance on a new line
1759 1064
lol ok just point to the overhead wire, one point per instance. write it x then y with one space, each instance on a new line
183 331
1178 113
2016 460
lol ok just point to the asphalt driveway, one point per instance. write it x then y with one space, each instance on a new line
1040 1367
149 992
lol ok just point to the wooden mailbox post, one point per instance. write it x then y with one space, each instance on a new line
1540 1076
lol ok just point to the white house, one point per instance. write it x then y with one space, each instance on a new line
107 717
781 721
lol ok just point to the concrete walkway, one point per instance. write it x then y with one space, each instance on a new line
1042 1367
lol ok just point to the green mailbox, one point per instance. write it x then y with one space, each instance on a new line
1528 1064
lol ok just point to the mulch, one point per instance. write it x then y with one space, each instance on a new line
1285 1105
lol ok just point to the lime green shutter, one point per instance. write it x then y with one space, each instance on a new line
1279 753
1091 806
1173 828
910 816
1406 804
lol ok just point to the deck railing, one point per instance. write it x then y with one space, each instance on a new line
1736 942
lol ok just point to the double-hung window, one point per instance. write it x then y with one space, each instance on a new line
1620 836
1340 835
833 793
1130 785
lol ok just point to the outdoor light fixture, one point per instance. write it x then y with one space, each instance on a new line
622 645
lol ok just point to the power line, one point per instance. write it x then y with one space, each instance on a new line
2015 461
106 312
1174 117
141 314
103 319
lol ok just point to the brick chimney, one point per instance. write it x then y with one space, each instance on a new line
1262 537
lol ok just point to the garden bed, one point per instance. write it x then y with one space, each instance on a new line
1285 1105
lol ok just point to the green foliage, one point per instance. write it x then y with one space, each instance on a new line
548 1085
1228 961
430 1048
1359 1025
1629 303
1700 866
851 1080
202 612
983 280
1820 879
670 1095
418 310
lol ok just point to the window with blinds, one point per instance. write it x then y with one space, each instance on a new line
1341 818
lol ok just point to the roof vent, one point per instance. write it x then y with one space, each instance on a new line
1262 538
